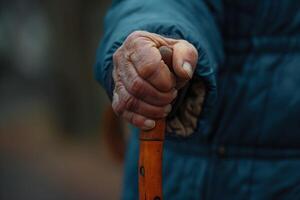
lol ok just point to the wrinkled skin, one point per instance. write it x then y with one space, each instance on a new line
144 85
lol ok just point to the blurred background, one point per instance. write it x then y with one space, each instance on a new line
54 117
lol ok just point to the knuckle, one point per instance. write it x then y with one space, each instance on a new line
136 86
134 39
133 36
132 103
115 75
117 109
118 105
117 55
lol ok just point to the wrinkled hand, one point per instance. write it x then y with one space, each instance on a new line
144 85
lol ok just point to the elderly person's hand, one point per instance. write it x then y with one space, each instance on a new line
144 85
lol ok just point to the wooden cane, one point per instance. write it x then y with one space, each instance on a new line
151 152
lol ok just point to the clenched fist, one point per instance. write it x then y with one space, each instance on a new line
144 85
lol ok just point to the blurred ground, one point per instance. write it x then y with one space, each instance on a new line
51 109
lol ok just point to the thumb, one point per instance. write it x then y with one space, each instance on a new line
185 57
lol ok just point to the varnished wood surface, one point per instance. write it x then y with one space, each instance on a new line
150 168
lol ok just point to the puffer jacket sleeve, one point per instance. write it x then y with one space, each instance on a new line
191 20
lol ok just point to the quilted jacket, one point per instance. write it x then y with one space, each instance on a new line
247 141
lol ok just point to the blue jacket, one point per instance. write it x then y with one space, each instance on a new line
247 141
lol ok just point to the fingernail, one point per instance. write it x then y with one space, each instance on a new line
188 68
149 123
168 108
